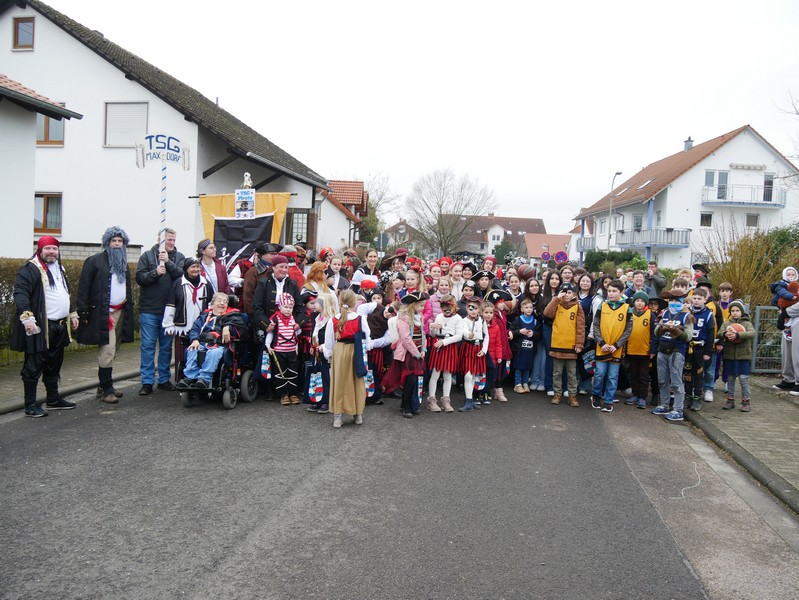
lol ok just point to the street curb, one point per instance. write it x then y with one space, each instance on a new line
778 486
67 391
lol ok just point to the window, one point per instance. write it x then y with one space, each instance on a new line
657 218
125 123
602 224
638 220
47 213
768 186
482 246
656 257
49 131
299 227
495 238
646 183
752 220
23 33
618 222
719 179
706 220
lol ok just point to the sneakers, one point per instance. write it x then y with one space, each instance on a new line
61 404
745 406
641 403
708 396
661 410
696 404
146 389
673 415
631 400
526 389
582 392
565 393
358 420
555 398
596 402
314 408
607 407
729 405
184 384
202 384
337 423
167 386
34 410
551 393
795 390
519 389
323 410
783 385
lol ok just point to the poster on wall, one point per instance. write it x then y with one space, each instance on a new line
245 204
235 236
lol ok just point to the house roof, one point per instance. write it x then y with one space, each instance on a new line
654 178
29 99
546 242
242 139
350 193
335 202
517 226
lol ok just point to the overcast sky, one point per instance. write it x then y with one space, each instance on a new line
542 103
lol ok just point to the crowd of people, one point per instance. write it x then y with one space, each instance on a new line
337 333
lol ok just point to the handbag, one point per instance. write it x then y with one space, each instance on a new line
589 361
266 366
361 361
369 381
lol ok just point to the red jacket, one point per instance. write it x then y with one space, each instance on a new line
495 340
296 274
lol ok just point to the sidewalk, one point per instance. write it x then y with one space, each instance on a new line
765 441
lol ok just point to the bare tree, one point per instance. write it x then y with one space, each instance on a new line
381 197
443 207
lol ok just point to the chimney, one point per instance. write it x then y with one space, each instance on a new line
490 214
689 143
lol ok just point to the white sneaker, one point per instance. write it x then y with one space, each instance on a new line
566 394
540 388
551 393
359 419
582 392
337 421
708 395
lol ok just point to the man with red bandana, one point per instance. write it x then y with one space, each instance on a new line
42 327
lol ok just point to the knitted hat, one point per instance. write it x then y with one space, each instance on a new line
280 260
445 259
739 304
640 295
113 232
368 284
285 299
46 240
189 262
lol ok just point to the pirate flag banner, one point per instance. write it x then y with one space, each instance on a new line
241 236
216 206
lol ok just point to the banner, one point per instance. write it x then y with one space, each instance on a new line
223 205
234 234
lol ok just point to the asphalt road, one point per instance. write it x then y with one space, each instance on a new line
148 499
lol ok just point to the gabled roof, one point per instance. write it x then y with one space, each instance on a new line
29 99
654 178
195 107
335 202
517 226
350 193
546 242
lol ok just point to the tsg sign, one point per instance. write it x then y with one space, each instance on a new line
164 149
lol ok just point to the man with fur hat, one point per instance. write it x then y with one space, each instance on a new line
157 270
42 326
105 306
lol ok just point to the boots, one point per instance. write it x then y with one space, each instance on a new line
500 395
445 402
468 405
555 399
745 406
573 400
730 404
109 395
432 404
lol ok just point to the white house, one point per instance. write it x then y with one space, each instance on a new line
665 210
89 170
19 108
340 230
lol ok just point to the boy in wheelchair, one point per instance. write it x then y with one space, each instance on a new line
210 335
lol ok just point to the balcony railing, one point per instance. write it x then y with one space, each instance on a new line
586 244
655 236
744 195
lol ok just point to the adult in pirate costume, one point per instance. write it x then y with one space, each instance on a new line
42 327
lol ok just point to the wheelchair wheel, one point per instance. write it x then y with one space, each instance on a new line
186 399
249 386
229 398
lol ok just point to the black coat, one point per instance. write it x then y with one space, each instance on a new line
94 294
155 288
264 303
29 296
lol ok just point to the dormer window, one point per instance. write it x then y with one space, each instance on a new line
23 33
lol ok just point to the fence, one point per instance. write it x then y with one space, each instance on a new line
767 351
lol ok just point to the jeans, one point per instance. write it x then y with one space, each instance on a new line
606 378
548 366
670 367
745 393
539 364
710 370
521 377
206 372
151 334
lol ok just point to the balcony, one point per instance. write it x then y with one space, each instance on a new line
586 244
752 196
663 237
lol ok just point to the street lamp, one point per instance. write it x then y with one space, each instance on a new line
610 214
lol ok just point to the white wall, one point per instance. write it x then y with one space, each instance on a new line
17 172
102 186
333 227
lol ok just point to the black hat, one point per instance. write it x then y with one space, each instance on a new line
272 248
566 287
411 298
495 296
307 295
261 250
662 303
701 267
470 265
469 284
480 274
704 282
303 245
190 260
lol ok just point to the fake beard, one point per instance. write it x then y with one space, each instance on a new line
117 258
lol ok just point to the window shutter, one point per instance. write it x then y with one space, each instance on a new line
125 123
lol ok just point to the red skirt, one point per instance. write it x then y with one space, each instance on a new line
444 359
399 370
376 361
469 362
